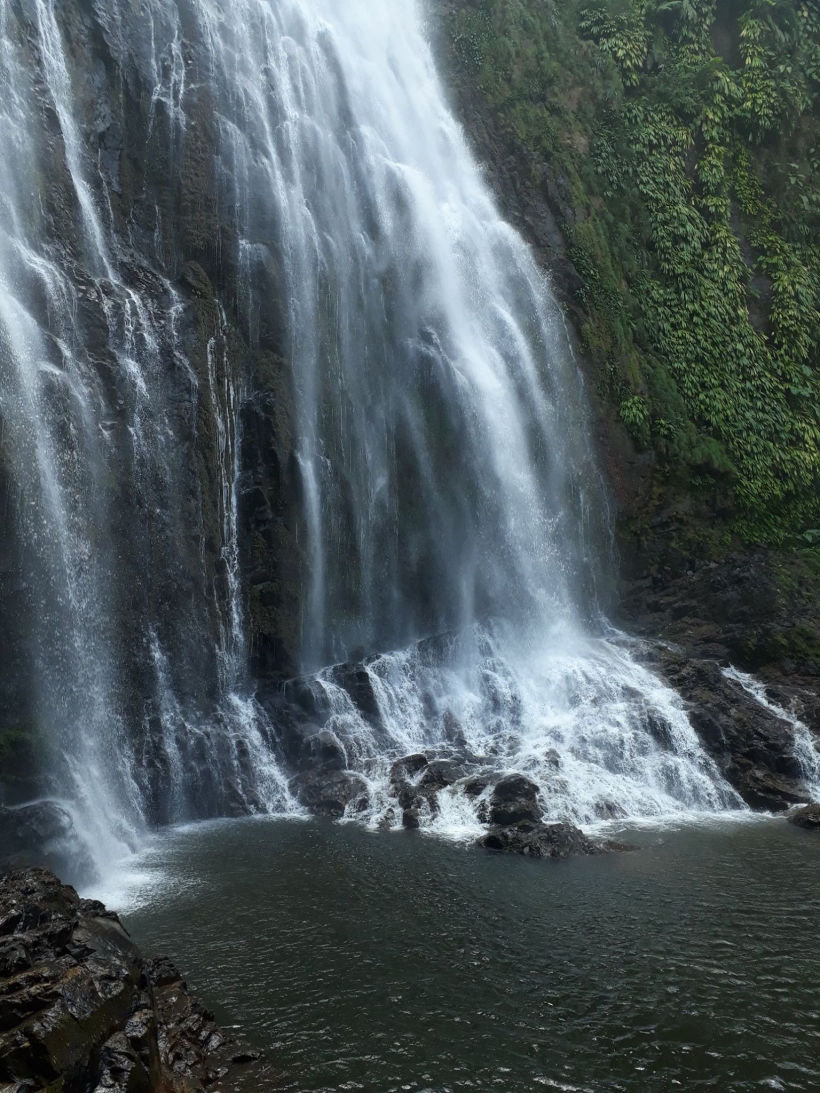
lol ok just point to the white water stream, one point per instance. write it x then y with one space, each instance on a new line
805 746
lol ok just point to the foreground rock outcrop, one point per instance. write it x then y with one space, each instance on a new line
81 1010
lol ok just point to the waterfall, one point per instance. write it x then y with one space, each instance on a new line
234 190
133 656
449 485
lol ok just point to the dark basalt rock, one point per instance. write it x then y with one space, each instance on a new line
354 679
759 610
416 787
515 798
537 840
81 1010
328 793
453 731
751 745
323 751
476 785
40 833
299 710
807 817
415 801
444 772
407 767
31 828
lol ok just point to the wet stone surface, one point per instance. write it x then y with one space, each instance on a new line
81 1009
807 817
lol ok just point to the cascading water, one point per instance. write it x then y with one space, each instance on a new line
441 437
138 693
444 480
806 749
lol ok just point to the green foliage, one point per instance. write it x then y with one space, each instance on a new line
623 37
635 415
686 138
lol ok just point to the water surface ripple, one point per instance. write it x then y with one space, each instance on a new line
396 962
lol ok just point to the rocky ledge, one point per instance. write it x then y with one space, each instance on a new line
82 1010
756 730
538 840
751 741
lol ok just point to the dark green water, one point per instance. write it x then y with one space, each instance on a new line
395 962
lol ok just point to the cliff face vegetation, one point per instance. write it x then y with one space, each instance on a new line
677 145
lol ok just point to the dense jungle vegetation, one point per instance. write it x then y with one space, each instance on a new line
685 135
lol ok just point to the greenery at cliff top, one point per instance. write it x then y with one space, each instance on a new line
684 136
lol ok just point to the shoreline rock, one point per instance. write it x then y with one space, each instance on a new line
81 1009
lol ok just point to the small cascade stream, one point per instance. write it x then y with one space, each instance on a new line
806 747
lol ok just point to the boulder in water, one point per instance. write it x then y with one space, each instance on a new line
537 840
407 767
29 832
515 798
323 751
476 785
416 785
416 801
807 817
328 793
443 772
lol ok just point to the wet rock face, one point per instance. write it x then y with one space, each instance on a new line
758 610
414 789
81 1010
328 792
72 983
753 747
515 798
31 829
535 840
807 817
174 247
